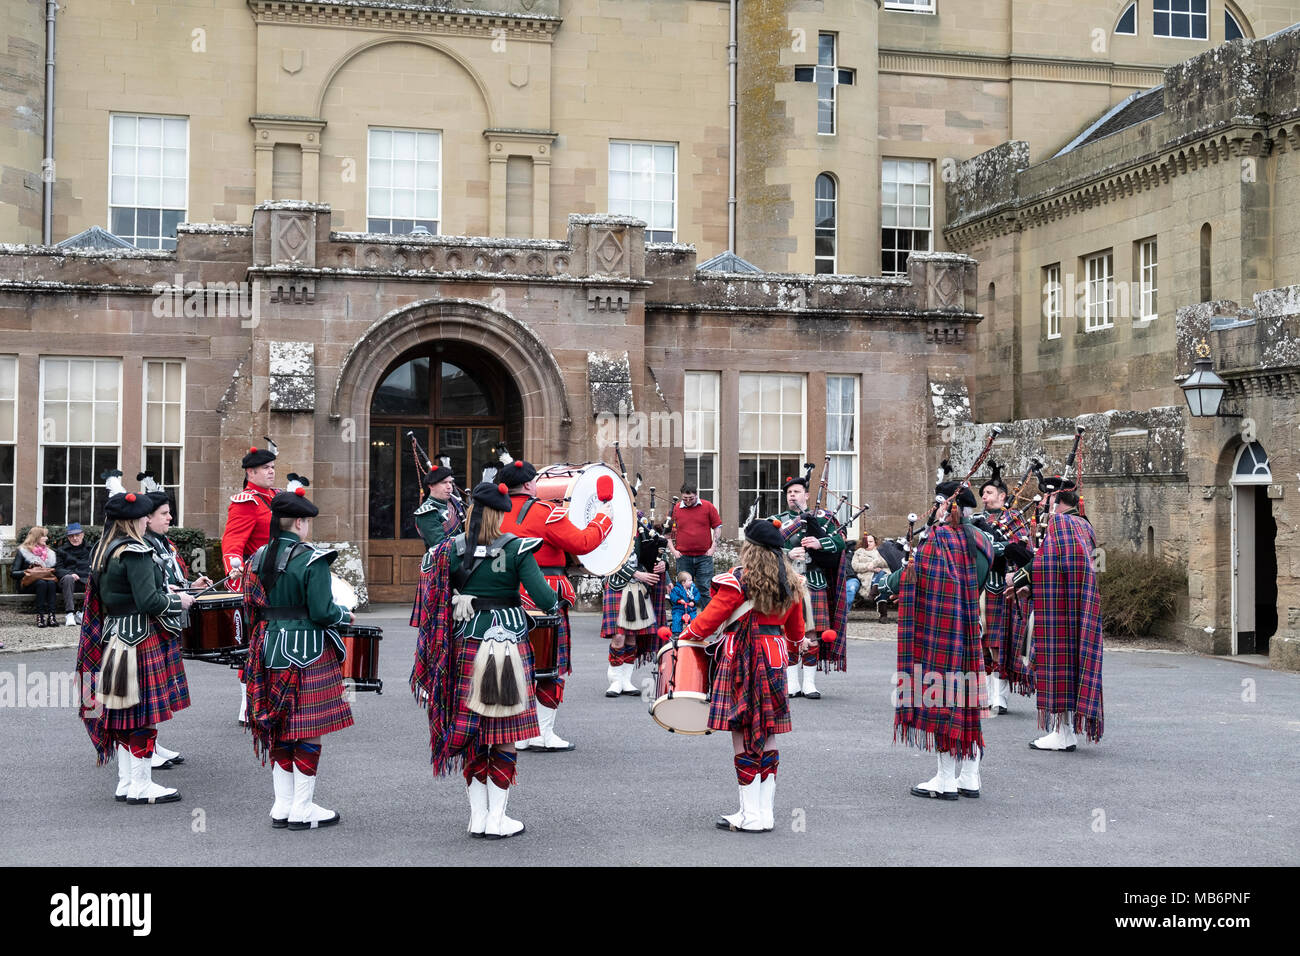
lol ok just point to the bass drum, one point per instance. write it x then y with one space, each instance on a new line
574 488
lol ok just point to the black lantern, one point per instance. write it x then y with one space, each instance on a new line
1204 388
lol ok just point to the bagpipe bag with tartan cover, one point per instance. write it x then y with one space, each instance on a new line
939 634
433 675
1067 627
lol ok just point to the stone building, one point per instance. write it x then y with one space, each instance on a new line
355 219
1102 266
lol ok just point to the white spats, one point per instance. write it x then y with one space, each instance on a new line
478 807
499 826
305 815
943 785
282 782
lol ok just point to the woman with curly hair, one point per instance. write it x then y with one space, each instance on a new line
759 606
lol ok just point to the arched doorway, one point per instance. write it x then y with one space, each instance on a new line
460 403
1254 554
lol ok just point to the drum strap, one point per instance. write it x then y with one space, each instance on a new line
523 511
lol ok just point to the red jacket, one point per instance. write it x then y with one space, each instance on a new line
549 521
727 596
248 524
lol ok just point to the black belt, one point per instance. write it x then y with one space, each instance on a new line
553 570
495 604
284 612
770 630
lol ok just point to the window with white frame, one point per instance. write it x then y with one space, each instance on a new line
1052 300
824 226
842 446
1181 19
80 436
771 439
1127 25
8 439
905 217
1099 289
700 428
1148 284
164 426
643 183
827 74
148 178
910 6
403 180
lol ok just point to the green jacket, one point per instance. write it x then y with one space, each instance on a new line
831 544
133 589
498 578
430 518
299 639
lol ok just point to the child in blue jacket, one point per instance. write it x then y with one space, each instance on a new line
683 597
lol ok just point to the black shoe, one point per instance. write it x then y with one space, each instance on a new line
40 620
139 801
815 695
1001 711
280 824
933 794
973 794
312 826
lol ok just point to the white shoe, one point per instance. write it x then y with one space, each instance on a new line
550 741
499 826
142 789
750 817
1056 740
282 781
810 690
614 676
305 815
792 686
172 755
478 807
767 797
943 785
123 773
243 703
70 620
625 672
968 783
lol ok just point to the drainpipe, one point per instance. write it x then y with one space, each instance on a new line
47 162
731 123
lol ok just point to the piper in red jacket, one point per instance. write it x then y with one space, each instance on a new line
530 517
248 527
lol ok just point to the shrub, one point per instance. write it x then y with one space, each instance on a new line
1137 591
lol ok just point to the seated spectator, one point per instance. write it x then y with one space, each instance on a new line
73 570
871 570
33 571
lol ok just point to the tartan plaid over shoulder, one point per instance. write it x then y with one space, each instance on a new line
940 657
433 675
1067 626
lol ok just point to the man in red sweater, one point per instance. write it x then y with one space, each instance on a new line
693 538
530 517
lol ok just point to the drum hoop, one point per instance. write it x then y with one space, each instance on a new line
674 730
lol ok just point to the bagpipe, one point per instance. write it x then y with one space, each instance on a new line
650 543
813 526
424 467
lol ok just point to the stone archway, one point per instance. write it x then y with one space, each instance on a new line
536 374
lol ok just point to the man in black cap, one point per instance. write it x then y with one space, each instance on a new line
72 568
295 677
248 523
438 516
1008 526
795 527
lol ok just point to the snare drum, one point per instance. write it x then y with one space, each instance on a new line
216 627
574 487
361 663
544 637
682 682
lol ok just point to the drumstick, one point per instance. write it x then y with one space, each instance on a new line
211 586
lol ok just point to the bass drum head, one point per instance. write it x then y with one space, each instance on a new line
614 550
686 712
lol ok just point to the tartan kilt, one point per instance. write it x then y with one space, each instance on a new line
319 707
647 638
178 685
1012 669
997 617
469 729
155 688
821 609
766 693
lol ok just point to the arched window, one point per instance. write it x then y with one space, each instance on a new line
1231 28
1127 25
1206 287
824 215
